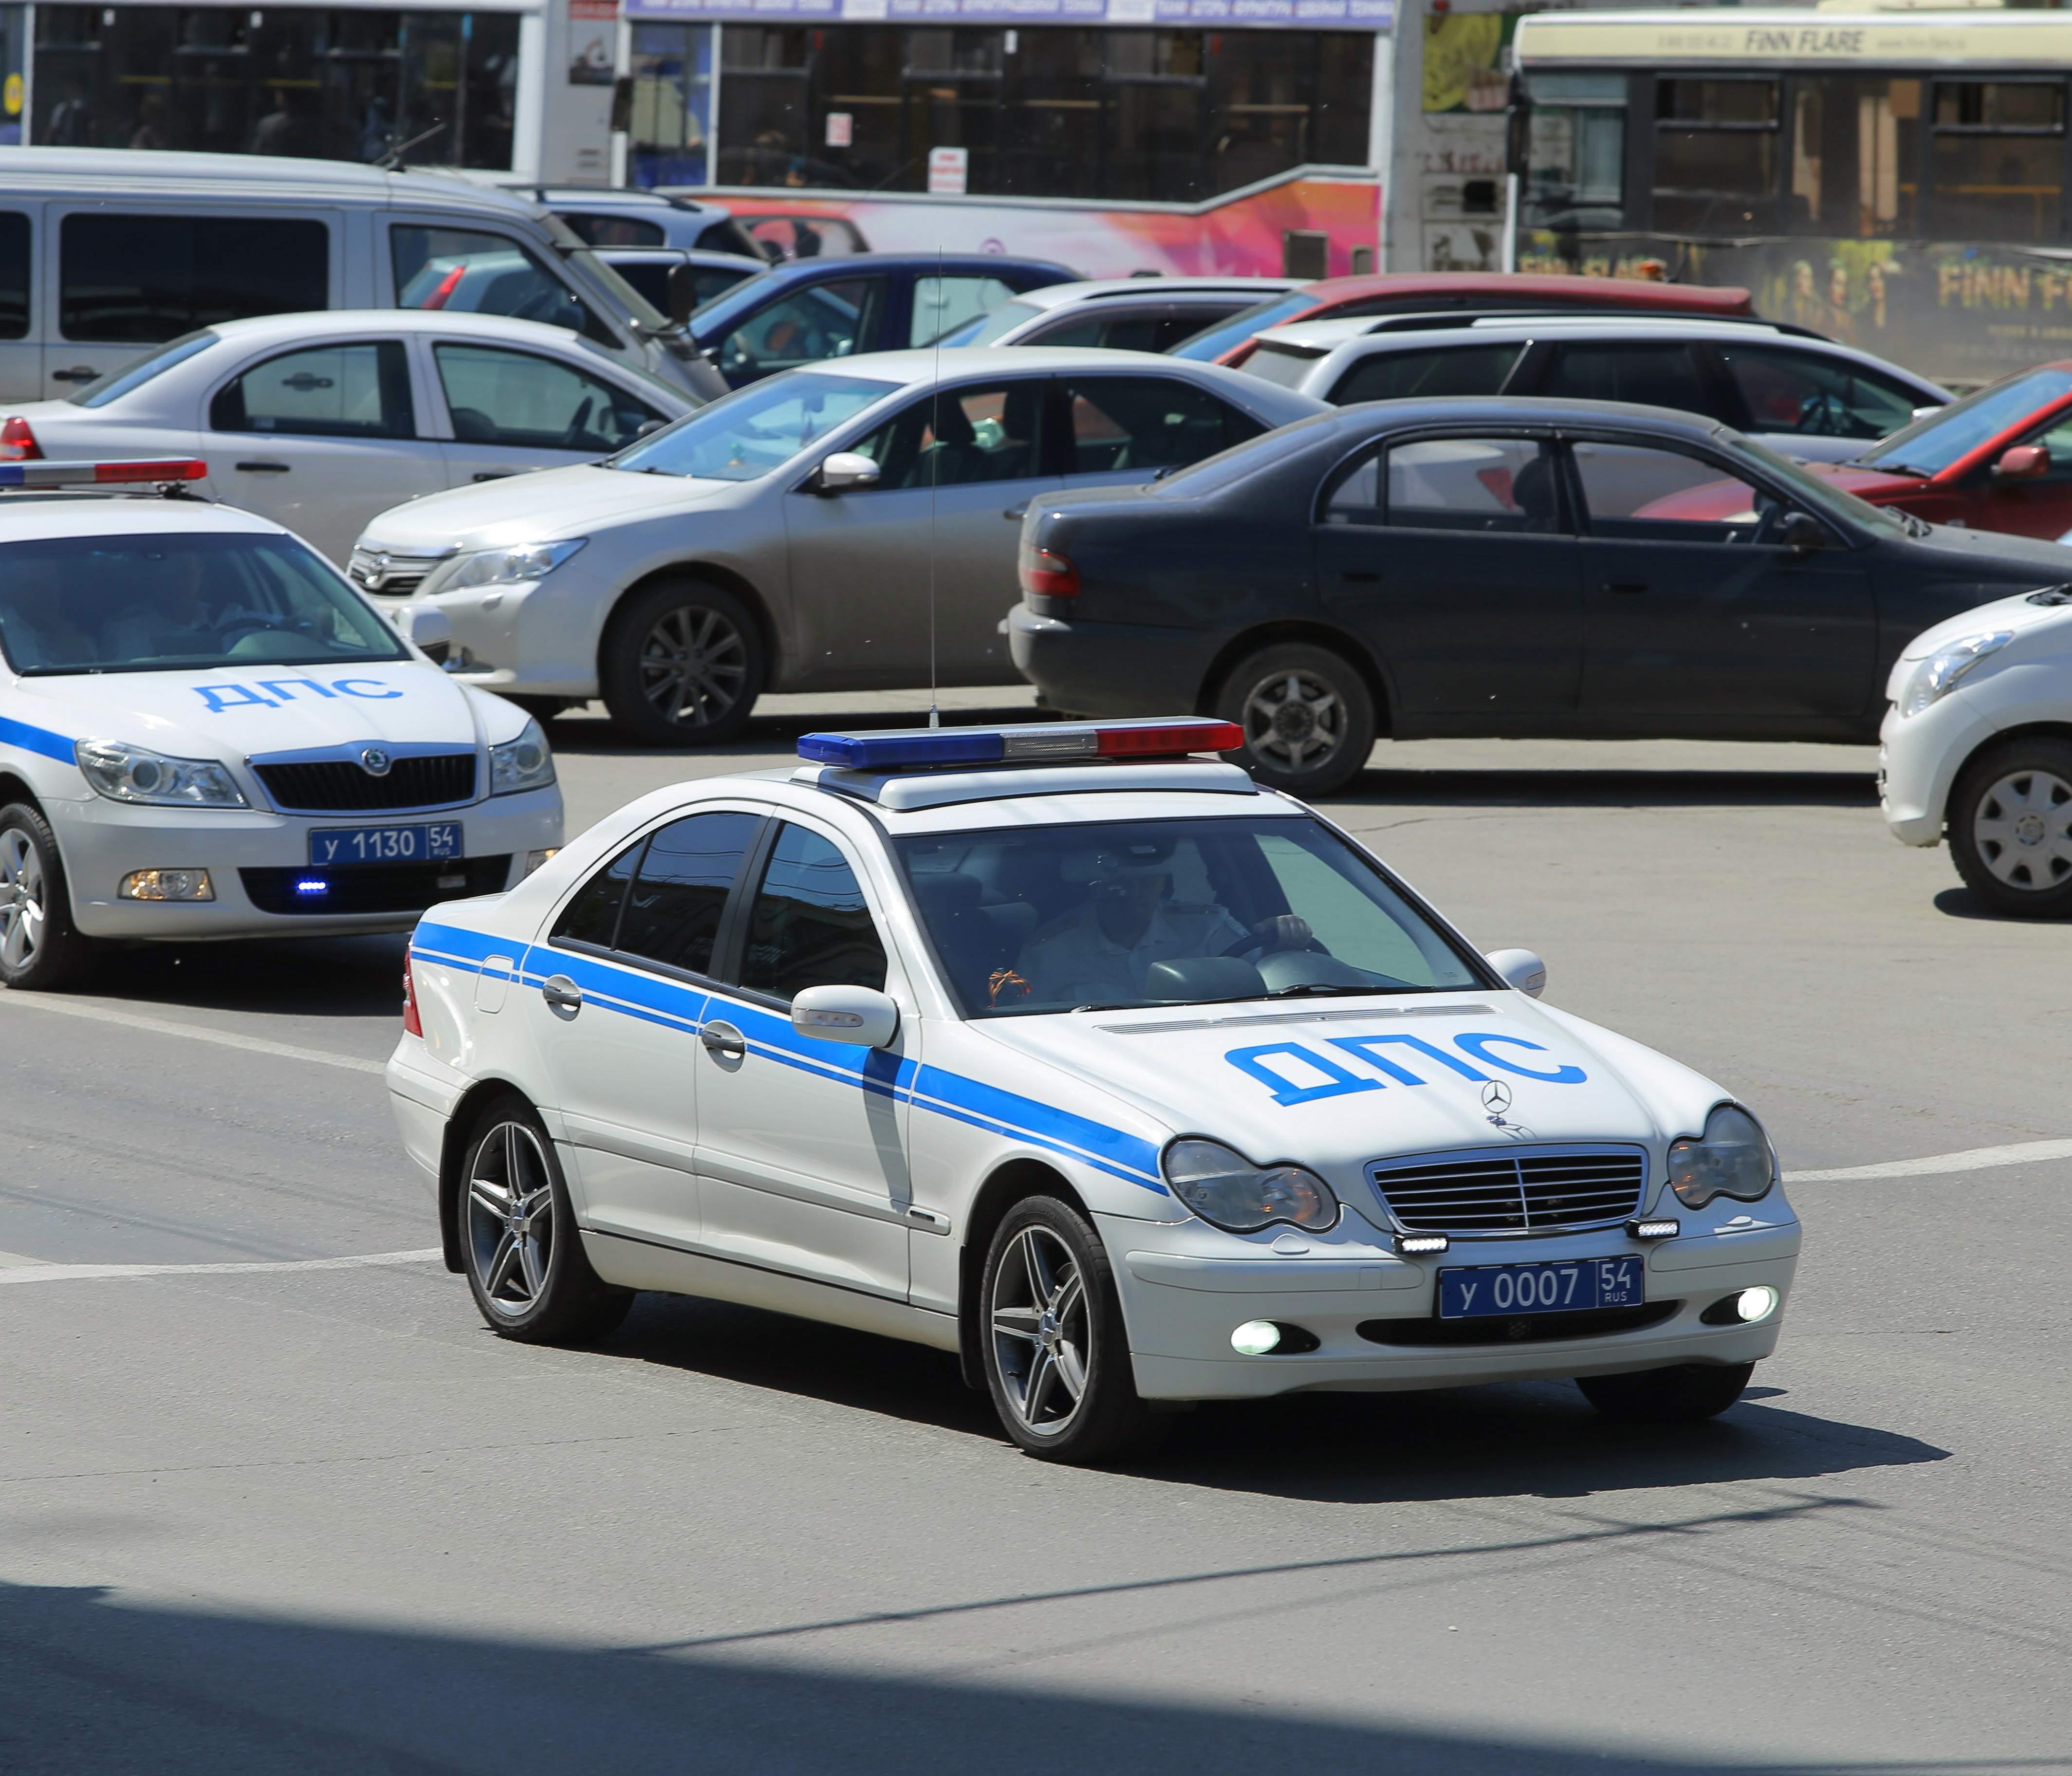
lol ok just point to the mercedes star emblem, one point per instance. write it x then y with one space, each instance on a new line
1496 1097
375 762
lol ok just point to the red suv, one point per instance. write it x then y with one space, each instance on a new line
2000 459
1439 292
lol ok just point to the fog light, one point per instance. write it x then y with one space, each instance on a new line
313 885
534 859
1756 1304
1654 1229
1412 1245
166 885
1256 1337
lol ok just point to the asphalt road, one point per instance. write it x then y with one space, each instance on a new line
263 1511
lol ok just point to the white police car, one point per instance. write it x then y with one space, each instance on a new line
1127 1079
1978 742
206 732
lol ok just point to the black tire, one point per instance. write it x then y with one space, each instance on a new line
1075 1339
2011 827
40 948
549 1296
1310 741
1681 1395
682 664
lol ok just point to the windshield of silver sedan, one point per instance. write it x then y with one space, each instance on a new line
1052 919
160 604
743 436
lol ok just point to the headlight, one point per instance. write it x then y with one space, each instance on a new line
1227 1190
521 561
125 773
1942 668
1731 1158
523 763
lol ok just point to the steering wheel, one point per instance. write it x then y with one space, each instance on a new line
1281 930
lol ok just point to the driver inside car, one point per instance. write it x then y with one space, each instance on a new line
1101 950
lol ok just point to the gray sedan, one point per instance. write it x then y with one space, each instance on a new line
828 528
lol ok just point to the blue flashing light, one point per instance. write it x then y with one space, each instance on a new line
313 885
1046 743
902 748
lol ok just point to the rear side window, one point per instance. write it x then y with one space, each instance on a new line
1654 375
616 231
1502 485
941 305
14 275
592 917
809 925
681 890
330 391
140 279
1399 376
518 398
1283 366
1146 422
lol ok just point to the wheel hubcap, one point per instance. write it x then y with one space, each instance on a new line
1042 1331
21 899
1293 720
510 1218
694 666
2023 829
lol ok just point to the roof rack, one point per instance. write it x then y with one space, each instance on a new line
169 474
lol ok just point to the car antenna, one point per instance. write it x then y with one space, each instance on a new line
935 477
392 161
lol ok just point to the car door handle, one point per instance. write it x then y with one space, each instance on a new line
1626 586
1017 513
563 997
262 468
725 1041
1361 577
79 372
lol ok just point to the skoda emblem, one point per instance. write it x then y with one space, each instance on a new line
1496 1097
375 762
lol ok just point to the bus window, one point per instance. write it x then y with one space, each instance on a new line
1715 154
1576 151
1855 147
1999 159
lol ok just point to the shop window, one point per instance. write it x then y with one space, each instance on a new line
672 117
1997 165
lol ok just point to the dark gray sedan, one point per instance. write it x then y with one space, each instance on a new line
1492 567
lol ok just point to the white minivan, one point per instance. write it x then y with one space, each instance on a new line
106 252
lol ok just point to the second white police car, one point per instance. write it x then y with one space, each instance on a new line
1127 1079
205 732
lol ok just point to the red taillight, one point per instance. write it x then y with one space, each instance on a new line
448 285
411 1025
17 442
1047 574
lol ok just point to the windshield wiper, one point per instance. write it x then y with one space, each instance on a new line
1890 468
1318 989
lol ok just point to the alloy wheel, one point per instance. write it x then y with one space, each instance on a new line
511 1218
2022 827
694 666
21 900
1293 720
1042 1331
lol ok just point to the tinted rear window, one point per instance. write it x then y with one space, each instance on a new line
14 274
1398 375
140 279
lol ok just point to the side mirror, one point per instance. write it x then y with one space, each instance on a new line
2024 462
426 624
861 1015
844 470
1520 969
683 294
1801 533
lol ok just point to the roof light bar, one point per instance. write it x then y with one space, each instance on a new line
921 749
88 474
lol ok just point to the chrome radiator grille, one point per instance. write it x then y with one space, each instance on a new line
1544 1190
389 576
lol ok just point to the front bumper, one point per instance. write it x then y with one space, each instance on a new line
1110 668
100 841
536 638
1180 1318
1919 758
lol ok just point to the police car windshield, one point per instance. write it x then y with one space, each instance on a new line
743 436
1054 919
160 604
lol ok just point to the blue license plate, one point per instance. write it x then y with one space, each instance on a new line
330 846
1571 1288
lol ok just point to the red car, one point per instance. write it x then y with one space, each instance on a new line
1483 292
2000 459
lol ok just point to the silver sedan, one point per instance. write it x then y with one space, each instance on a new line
836 528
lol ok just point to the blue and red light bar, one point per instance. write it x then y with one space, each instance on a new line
99 475
1047 742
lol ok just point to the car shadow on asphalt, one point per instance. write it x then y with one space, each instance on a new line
1539 1439
1451 787
98 1683
1962 903
289 976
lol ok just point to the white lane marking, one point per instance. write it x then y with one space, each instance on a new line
35 1272
1975 1159
193 1033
